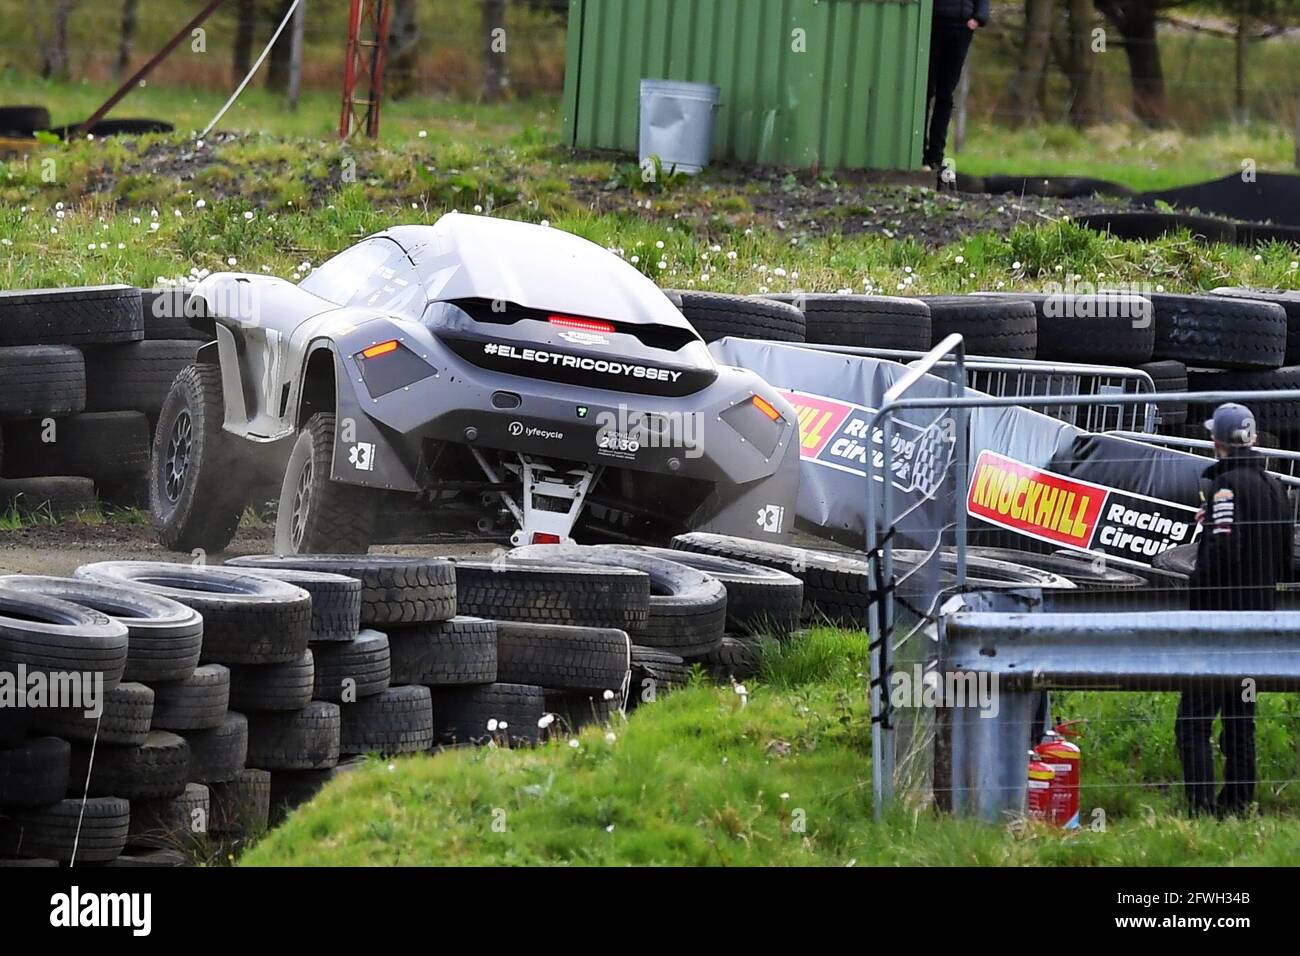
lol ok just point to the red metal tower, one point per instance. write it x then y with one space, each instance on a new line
365 58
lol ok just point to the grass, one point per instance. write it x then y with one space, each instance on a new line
704 776
1142 159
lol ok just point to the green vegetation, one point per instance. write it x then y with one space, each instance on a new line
778 775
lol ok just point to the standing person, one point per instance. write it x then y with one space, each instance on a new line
1243 552
955 22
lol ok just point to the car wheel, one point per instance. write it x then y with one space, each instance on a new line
316 513
193 501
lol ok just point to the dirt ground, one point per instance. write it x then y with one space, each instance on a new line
59 549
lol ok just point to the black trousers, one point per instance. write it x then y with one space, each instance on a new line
949 43
1197 709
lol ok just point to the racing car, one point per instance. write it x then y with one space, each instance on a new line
475 376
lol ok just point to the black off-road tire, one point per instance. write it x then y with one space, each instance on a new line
49 497
990 327
39 381
578 709
736 658
1278 417
398 721
1148 226
163 636
247 618
35 773
335 600
1168 375
125 721
357 669
107 447
655 672
1086 571
716 316
86 315
870 321
317 514
178 822
394 589
261 687
241 808
1288 299
192 498
98 828
198 702
168 313
688 609
46 635
218 754
760 600
136 376
553 594
23 120
445 653
461 714
561 657
1219 332
306 739
1102 328
156 769
834 587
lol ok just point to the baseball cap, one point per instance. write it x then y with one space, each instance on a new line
1233 425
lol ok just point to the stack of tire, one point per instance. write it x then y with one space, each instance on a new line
1230 338
111 787
701 609
249 664
368 611
83 373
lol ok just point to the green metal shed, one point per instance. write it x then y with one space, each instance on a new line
810 83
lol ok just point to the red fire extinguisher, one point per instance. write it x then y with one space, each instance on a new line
1063 757
1038 797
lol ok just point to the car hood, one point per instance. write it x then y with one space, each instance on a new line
479 257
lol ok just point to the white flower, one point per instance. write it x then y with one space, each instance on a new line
60 214
478 208
232 261
392 767
704 277
610 828
785 796
608 695
663 264
959 260
202 203
659 244
91 247
492 725
741 690
58 205
610 737
732 256
153 227
546 223
135 220
423 133
121 245
248 215
715 248
778 272
573 744
502 726
1258 257
1016 264
634 260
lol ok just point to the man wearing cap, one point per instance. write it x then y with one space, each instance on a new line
1243 552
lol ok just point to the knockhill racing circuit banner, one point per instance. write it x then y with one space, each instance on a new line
1038 478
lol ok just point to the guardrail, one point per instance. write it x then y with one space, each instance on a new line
1025 654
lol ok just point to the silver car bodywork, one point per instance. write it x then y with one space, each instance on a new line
547 360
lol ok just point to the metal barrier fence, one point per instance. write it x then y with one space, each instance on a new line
1111 639
1029 377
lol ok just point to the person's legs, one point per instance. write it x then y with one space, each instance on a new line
1192 729
949 44
1237 740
